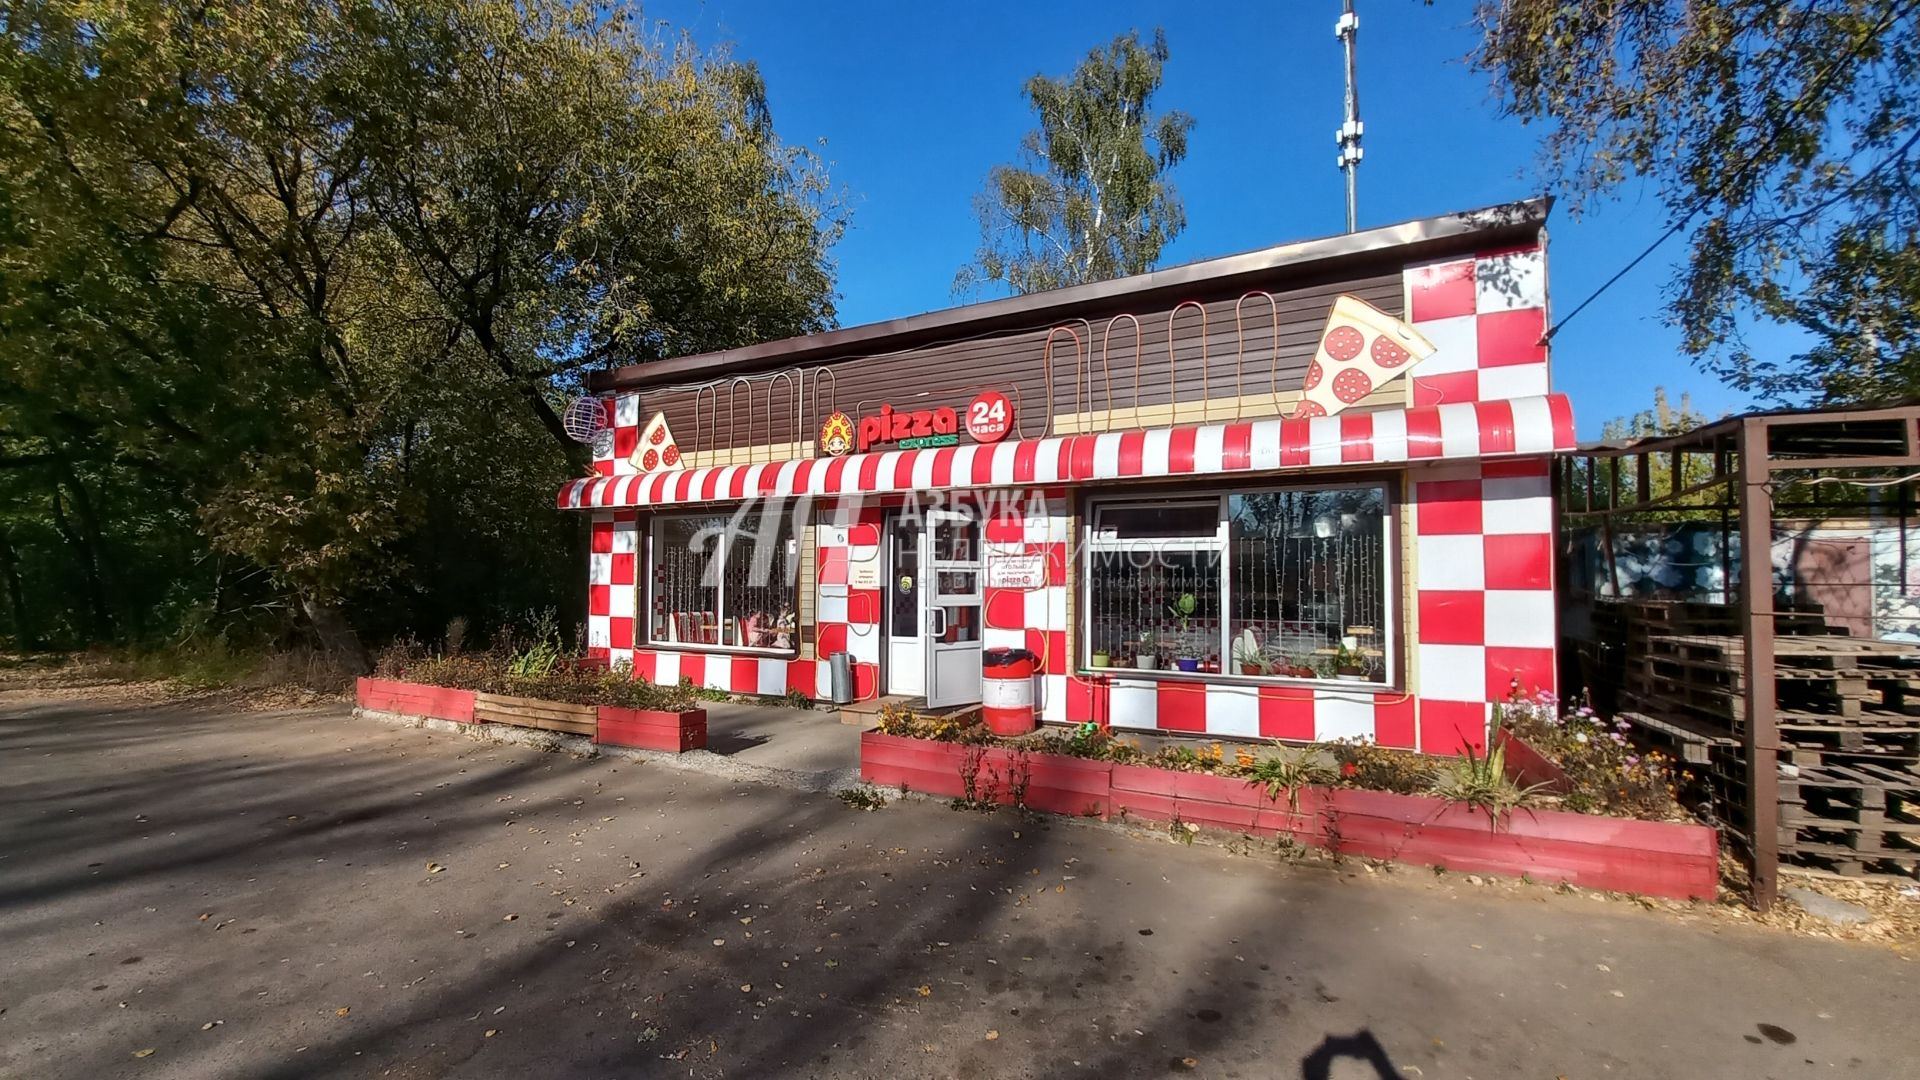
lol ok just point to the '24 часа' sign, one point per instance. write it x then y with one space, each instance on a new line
988 419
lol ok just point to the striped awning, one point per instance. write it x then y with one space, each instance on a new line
1452 432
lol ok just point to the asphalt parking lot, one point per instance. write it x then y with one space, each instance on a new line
201 892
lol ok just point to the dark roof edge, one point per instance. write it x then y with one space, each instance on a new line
1023 311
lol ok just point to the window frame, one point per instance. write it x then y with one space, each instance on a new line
644 585
1393 649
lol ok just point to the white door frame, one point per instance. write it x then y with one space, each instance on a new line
954 604
939 596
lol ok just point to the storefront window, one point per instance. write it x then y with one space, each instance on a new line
722 581
1308 582
1284 583
1153 585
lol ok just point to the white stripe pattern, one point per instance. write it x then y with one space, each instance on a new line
1541 425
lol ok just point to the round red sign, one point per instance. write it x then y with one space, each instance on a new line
989 418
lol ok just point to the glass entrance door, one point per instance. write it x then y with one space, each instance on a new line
933 606
906 643
952 615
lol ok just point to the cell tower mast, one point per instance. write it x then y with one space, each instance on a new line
1347 30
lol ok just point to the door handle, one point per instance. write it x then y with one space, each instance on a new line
942 612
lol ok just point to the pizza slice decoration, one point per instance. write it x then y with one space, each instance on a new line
1361 350
657 450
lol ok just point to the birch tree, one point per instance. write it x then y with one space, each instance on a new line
1089 197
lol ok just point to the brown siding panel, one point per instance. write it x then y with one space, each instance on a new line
1260 358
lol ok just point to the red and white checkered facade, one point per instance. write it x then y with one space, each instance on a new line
1483 622
1034 619
1476 614
1487 318
847 618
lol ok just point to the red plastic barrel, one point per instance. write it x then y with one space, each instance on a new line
1006 690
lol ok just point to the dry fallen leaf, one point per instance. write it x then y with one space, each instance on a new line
992 1035
510 918
143 1053
343 1010
434 868
491 1032
925 990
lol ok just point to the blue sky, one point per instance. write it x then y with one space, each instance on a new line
911 104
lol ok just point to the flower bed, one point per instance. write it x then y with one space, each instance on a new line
1587 761
1657 858
673 730
1055 783
1528 766
559 678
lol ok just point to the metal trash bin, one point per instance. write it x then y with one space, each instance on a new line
840 677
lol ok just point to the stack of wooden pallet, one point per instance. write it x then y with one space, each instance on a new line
1849 741
1613 660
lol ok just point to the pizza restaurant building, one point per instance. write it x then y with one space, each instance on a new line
1125 479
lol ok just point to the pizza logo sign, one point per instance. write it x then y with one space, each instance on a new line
657 450
989 418
1361 350
836 435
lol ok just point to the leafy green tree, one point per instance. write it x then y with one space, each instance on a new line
1783 137
315 277
1089 199
1665 418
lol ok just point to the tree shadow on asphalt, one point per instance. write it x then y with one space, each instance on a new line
171 817
890 934
859 924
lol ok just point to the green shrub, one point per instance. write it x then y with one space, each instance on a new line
1287 771
1481 783
568 679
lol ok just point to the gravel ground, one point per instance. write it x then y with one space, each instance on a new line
194 891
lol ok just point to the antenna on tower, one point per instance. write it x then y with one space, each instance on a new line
1347 30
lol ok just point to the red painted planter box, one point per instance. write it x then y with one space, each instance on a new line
931 768
1654 858
415 699
1054 783
1058 784
1212 802
1527 766
651 729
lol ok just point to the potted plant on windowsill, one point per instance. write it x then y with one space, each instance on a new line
1183 609
1349 665
1246 655
1147 658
